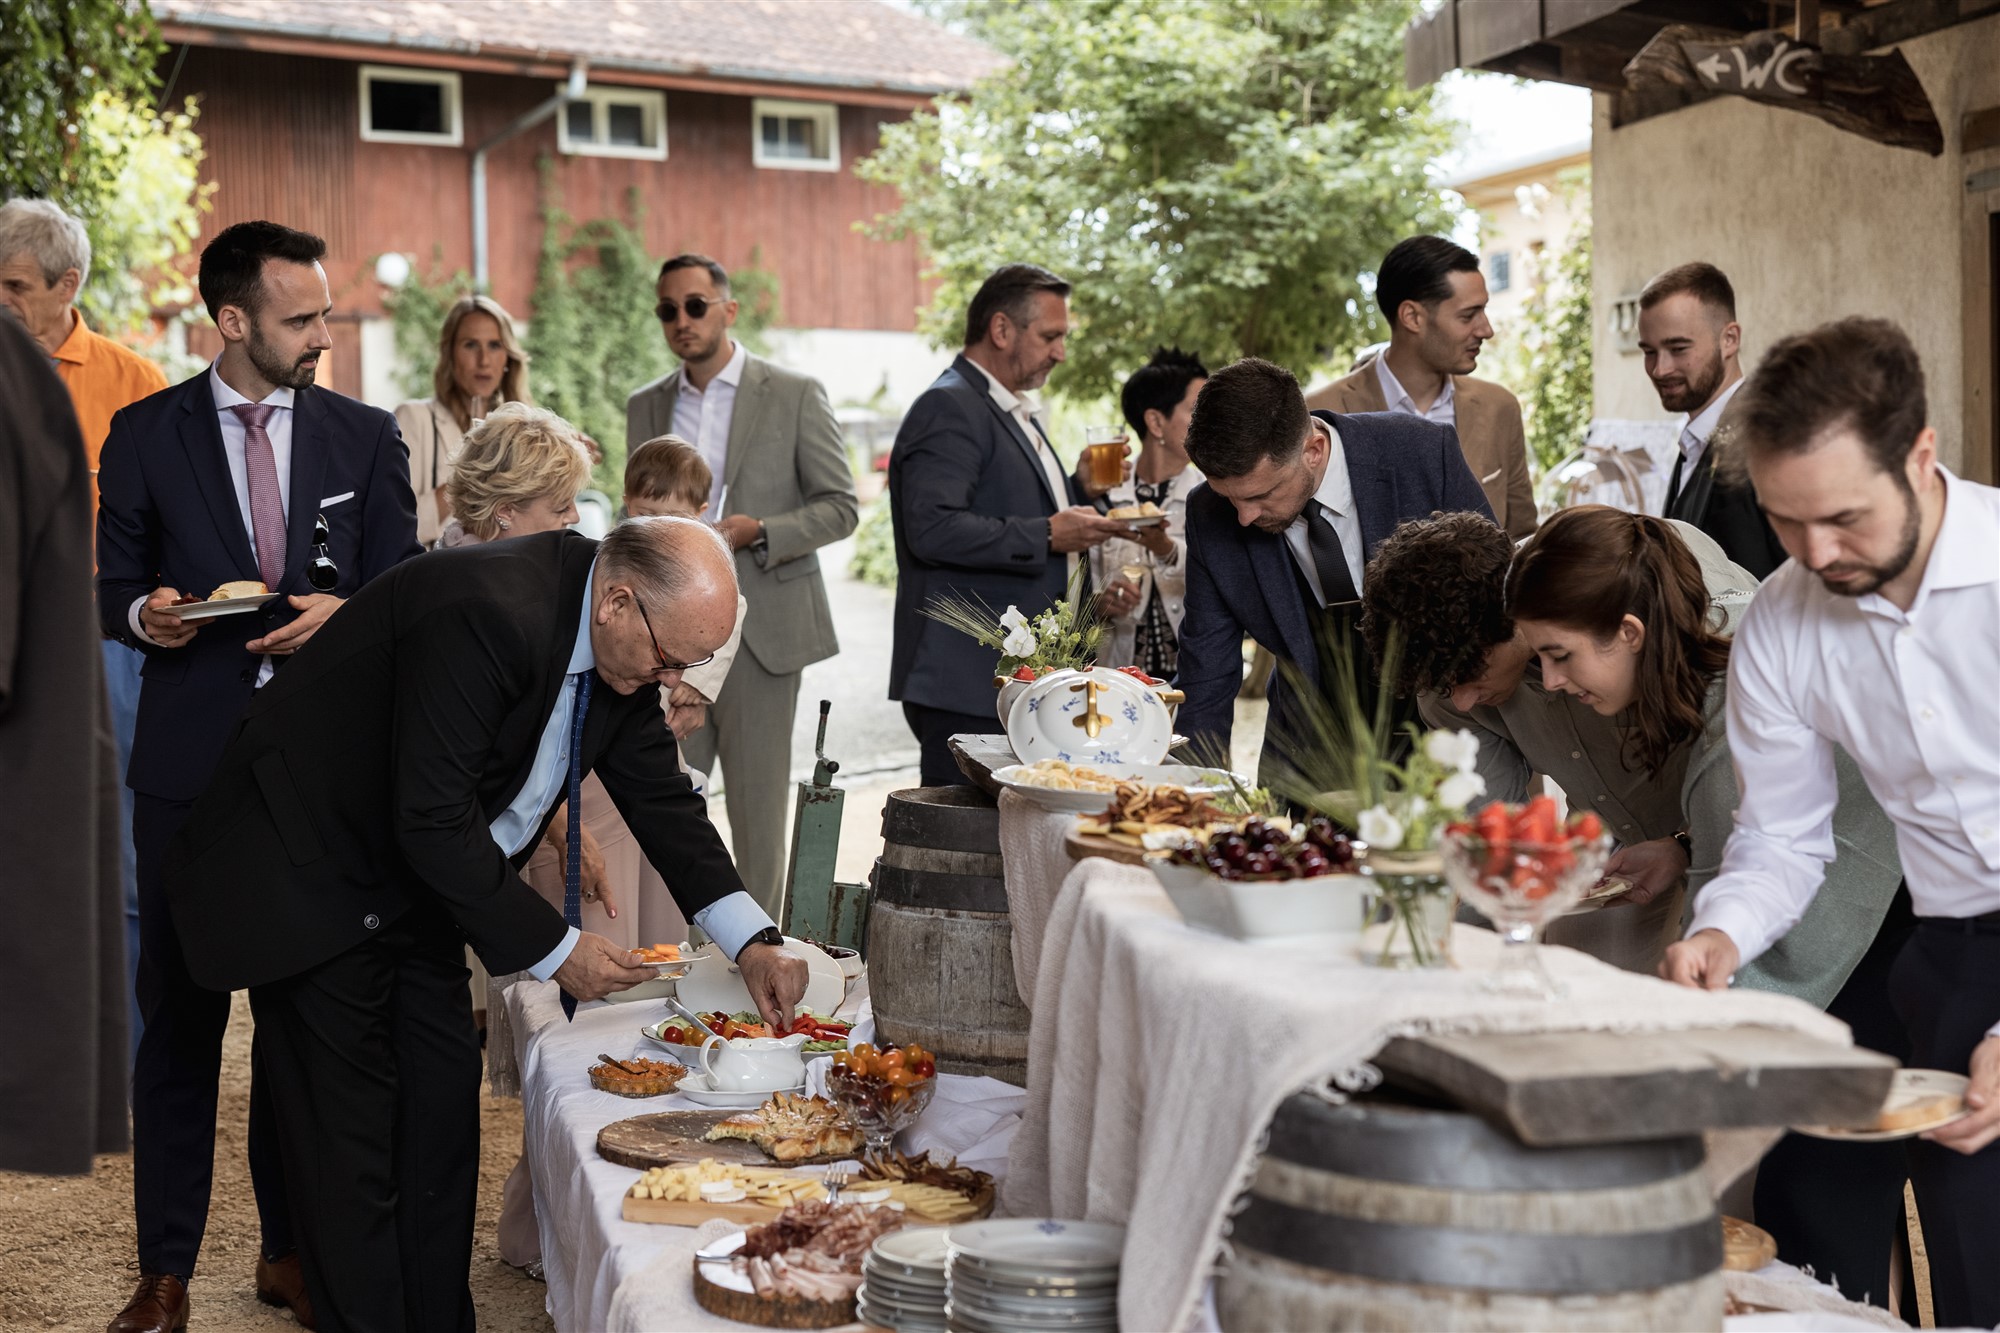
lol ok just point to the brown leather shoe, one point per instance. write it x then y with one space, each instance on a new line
160 1305
282 1282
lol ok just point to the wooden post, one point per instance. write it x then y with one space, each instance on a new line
1805 21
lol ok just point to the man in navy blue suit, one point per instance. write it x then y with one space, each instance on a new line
246 472
982 507
1279 536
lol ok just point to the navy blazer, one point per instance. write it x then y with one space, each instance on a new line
168 517
971 504
1242 580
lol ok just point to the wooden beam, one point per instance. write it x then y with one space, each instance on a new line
1561 16
1901 20
1430 47
1805 21
1496 28
1599 1087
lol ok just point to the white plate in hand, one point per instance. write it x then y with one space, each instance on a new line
711 982
1909 1085
228 606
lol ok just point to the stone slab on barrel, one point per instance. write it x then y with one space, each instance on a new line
1600 1087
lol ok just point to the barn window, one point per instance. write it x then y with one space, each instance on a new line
410 106
615 122
1500 270
795 136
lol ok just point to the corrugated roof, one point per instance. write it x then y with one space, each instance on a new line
833 43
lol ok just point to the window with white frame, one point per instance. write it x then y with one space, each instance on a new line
795 136
614 122
410 106
1499 270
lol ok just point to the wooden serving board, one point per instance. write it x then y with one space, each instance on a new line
775 1312
692 1213
978 756
1080 845
1746 1247
671 1137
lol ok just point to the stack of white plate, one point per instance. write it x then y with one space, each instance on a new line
902 1282
1033 1275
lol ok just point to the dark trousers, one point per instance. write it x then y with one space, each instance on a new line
373 1064
1946 988
1837 1208
934 727
174 1079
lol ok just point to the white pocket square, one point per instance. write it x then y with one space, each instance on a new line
349 495
1494 475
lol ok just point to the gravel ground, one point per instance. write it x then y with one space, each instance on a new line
68 1240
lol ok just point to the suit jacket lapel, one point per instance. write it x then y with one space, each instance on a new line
977 379
309 451
743 417
1374 486
201 438
663 418
1364 391
1271 564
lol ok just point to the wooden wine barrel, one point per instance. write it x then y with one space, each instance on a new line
940 940
1387 1215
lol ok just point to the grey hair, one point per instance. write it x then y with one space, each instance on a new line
654 553
52 238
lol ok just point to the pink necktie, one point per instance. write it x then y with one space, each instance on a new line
267 505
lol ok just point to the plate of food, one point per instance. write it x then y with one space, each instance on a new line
1919 1101
232 598
1146 515
790 1127
672 961
1143 817
1058 784
1606 892
802 1269
711 981
637 1077
824 1034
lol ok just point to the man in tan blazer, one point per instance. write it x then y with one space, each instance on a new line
783 489
1434 298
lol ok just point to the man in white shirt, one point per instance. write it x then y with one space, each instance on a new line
1691 341
1880 636
1434 299
982 507
781 489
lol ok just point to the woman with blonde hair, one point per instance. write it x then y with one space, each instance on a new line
481 364
518 472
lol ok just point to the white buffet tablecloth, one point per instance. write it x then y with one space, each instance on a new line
605 1273
1147 1100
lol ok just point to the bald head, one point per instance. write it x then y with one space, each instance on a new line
665 590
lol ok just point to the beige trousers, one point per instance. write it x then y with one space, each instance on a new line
750 731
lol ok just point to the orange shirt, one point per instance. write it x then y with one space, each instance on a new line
101 376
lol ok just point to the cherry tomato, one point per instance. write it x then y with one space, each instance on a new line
893 1059
864 1050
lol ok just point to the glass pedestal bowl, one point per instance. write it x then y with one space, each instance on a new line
1520 887
879 1109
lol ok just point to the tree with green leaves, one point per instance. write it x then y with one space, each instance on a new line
1217 174
1545 358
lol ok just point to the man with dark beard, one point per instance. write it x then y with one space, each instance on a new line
246 472
1880 637
1689 334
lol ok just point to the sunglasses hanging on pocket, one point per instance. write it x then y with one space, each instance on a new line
321 572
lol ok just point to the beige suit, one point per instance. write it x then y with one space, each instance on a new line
434 440
787 467
1489 432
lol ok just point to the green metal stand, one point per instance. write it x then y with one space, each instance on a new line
817 907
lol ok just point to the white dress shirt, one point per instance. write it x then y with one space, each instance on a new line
1699 429
1336 492
729 921
1444 408
234 434
702 418
1910 695
1026 410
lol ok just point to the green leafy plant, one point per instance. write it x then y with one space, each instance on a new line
153 216
1063 637
416 316
1546 359
874 558
1211 173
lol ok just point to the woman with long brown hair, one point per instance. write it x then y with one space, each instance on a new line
1615 608
480 365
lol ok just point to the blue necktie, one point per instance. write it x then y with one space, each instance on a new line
573 862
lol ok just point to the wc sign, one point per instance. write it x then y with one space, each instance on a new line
1764 65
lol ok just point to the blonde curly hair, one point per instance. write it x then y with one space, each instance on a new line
515 455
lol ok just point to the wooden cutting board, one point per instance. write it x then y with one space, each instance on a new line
745 1306
693 1212
1080 845
670 1137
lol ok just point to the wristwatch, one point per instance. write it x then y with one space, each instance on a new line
1686 844
768 935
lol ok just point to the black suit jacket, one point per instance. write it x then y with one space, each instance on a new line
1727 512
168 517
365 777
1242 580
971 504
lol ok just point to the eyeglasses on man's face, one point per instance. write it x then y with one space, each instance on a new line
665 663
697 307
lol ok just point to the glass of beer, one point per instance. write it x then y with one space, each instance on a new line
1104 456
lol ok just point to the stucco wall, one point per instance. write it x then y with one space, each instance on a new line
1811 223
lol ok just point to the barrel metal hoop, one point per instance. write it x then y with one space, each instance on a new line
1457 1150
1573 1265
915 817
936 890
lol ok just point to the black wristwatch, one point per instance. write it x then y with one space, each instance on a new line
768 935
1686 845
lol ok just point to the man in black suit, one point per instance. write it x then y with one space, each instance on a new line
1691 341
982 507
245 472
1278 538
370 817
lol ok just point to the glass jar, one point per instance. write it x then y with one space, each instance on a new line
1410 907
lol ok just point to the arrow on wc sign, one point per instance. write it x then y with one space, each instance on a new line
1765 64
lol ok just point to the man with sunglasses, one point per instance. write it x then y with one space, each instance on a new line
247 472
371 817
780 489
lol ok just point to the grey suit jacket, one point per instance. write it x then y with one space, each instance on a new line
786 466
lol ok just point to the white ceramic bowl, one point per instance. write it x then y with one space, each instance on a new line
1325 910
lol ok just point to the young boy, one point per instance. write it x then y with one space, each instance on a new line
666 477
